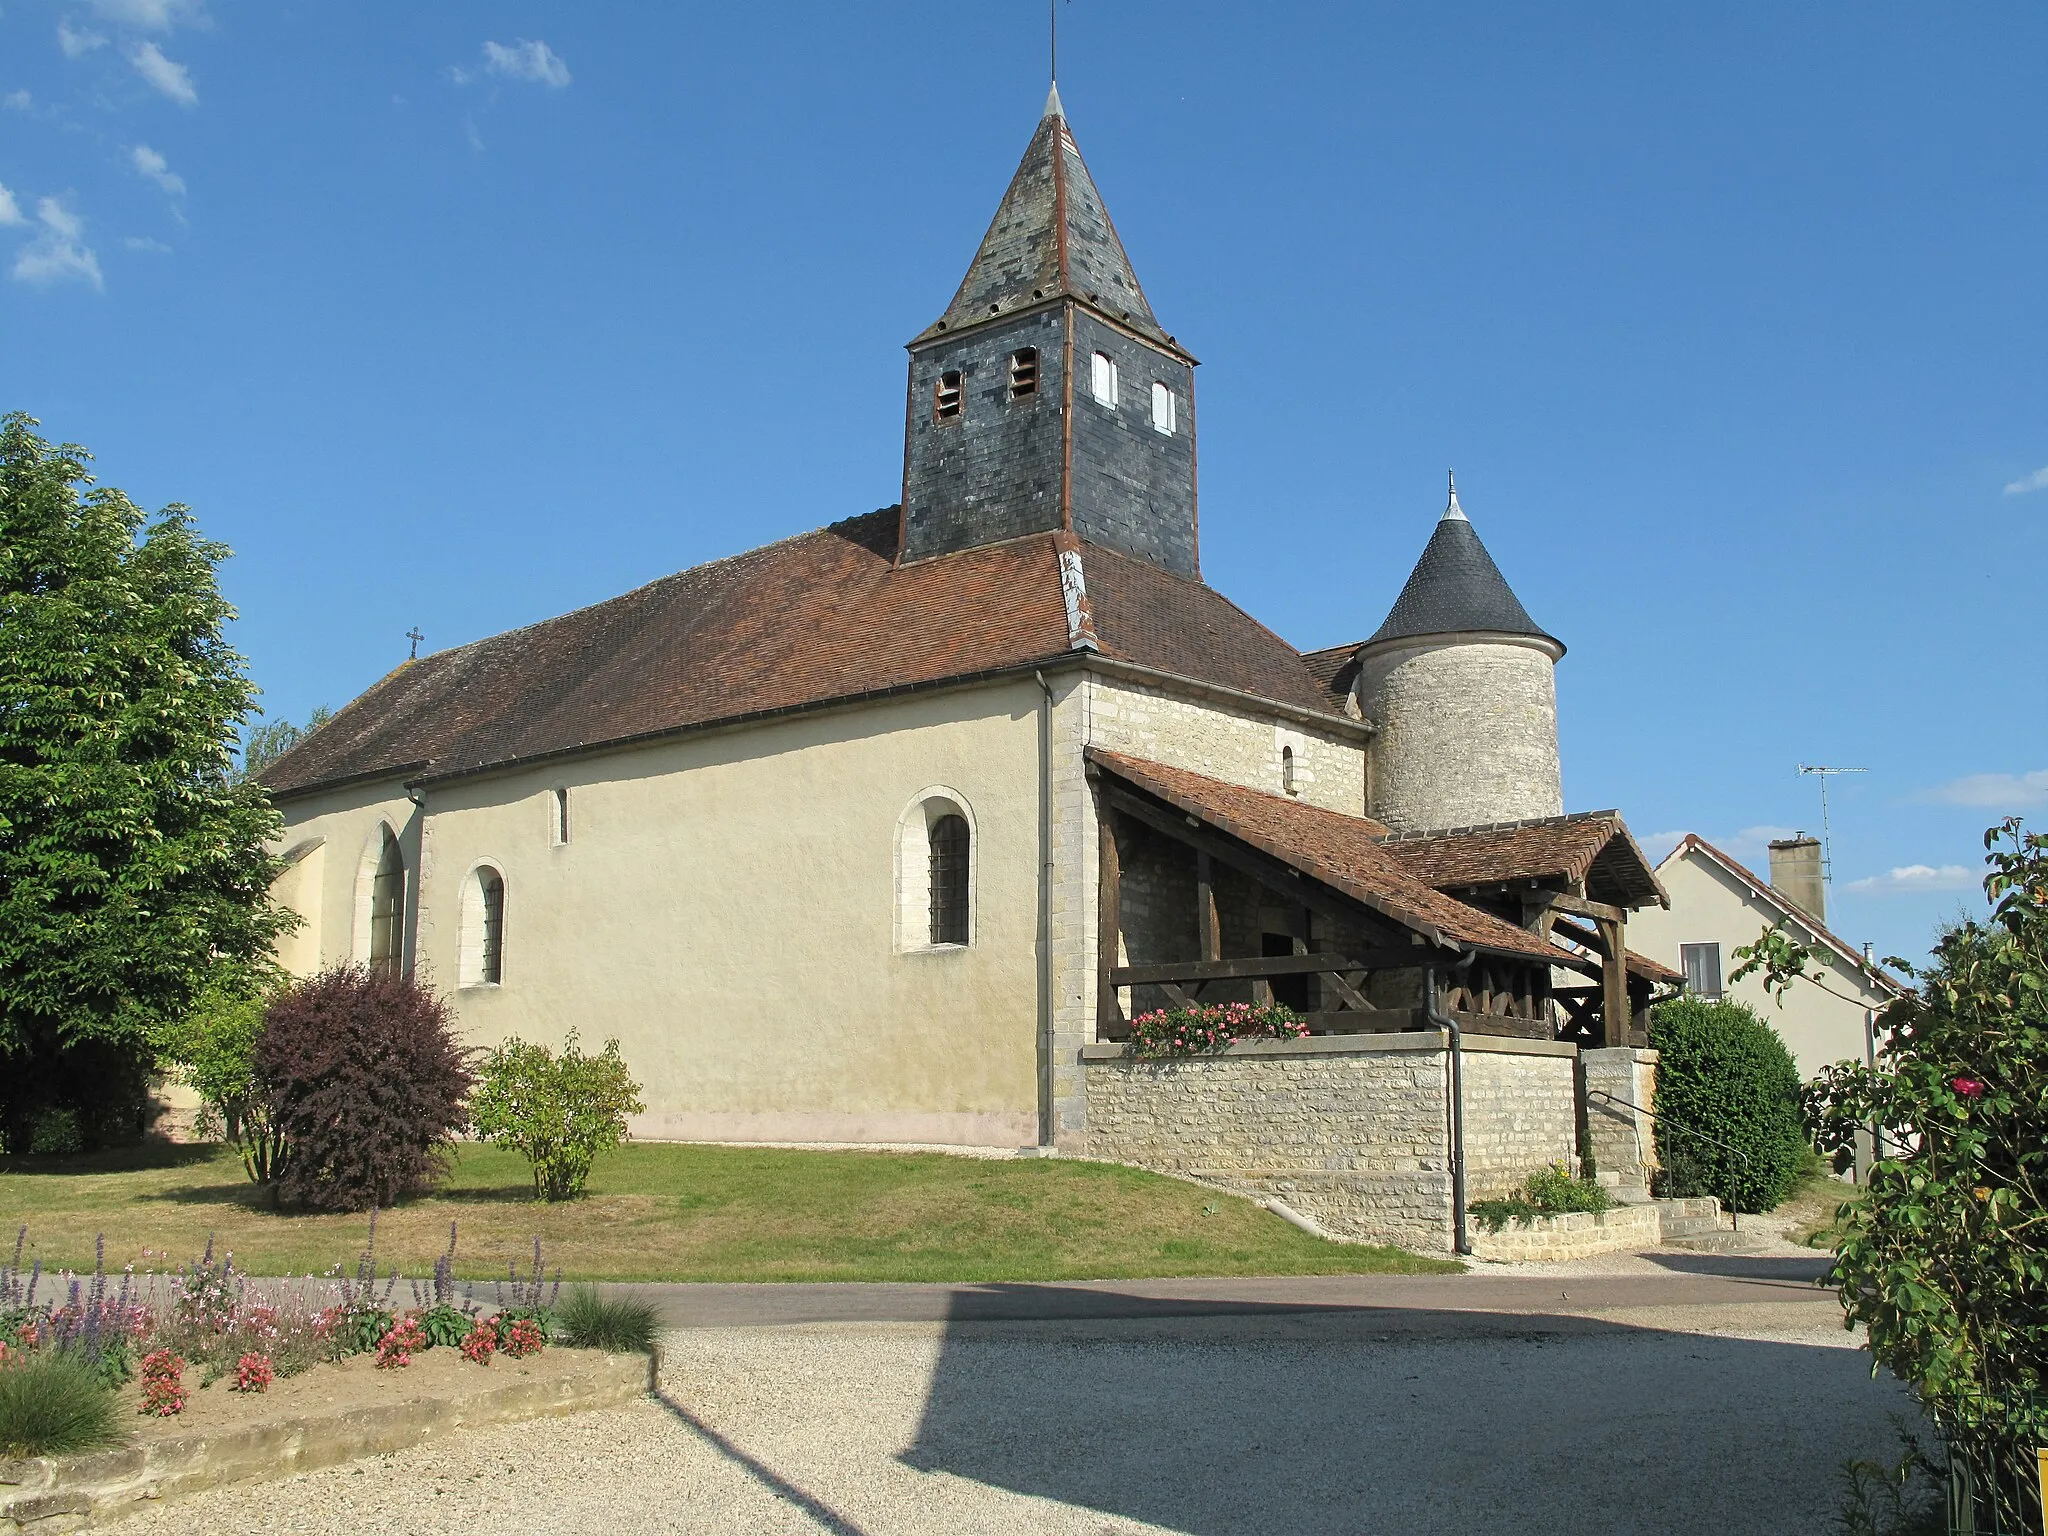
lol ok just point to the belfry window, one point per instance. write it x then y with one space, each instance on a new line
387 909
1102 378
1023 373
949 843
946 396
1162 409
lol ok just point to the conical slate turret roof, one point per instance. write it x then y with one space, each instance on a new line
1051 238
1456 589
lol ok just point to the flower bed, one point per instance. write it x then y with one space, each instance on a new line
1203 1029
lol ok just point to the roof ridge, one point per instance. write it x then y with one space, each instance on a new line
1425 833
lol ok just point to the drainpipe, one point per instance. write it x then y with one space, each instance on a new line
1455 1110
1045 1073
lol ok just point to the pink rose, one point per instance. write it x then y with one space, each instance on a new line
1968 1087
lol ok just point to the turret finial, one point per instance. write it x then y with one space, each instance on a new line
1052 103
1454 512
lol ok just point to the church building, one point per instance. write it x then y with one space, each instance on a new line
884 832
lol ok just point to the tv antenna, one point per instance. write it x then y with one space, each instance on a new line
1827 854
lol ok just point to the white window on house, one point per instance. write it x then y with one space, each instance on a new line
1702 966
1162 409
1023 373
558 810
946 396
483 928
1102 378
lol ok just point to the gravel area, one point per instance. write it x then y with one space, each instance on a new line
1707 1419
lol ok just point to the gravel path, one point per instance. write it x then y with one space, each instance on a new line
1666 1420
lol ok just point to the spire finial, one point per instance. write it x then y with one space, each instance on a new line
1052 103
1454 512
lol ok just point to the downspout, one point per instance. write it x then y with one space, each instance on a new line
1045 1010
1455 1110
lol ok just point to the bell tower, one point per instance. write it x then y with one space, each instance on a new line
1048 397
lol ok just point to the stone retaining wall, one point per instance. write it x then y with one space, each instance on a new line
1348 1129
1552 1239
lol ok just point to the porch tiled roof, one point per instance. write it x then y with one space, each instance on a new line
1346 853
823 617
1593 846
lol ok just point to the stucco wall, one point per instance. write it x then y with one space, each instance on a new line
1349 1129
726 905
1467 734
1710 906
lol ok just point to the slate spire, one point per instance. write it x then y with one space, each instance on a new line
1051 238
1456 589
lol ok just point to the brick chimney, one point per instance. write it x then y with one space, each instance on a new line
1795 874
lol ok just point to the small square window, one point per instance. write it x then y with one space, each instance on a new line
1162 409
1702 966
946 396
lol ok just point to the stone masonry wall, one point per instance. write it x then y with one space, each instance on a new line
1350 1130
1623 1141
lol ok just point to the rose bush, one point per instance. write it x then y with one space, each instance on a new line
1203 1029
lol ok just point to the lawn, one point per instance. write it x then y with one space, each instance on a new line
671 1212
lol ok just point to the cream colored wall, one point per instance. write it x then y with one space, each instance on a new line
329 887
1709 906
727 906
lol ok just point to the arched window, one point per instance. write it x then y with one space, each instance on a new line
946 396
1288 781
387 909
1023 373
1102 378
483 928
1162 409
560 816
949 865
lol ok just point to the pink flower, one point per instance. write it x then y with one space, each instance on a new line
1968 1087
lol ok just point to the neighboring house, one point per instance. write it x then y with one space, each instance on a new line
873 833
1717 907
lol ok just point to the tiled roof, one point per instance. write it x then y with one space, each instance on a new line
1051 238
821 617
1346 853
1331 667
1456 589
1593 846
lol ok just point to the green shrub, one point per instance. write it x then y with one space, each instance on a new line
591 1320
1549 1191
53 1404
56 1134
559 1111
1728 1116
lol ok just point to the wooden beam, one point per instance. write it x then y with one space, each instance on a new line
1205 909
1495 1024
1109 884
1346 989
1373 1021
1578 906
1614 1007
1272 965
1585 937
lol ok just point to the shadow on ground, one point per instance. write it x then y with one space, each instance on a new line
1286 1422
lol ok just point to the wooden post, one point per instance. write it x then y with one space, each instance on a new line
1108 925
1614 1004
1205 909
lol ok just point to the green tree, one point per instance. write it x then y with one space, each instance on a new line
1945 1257
133 872
560 1111
265 744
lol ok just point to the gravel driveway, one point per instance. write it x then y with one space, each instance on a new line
1666 1421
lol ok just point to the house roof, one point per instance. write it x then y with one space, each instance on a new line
1332 668
1346 853
1051 238
1787 909
1456 589
1590 846
822 617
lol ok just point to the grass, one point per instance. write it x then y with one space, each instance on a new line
1816 1196
589 1319
53 1405
687 1212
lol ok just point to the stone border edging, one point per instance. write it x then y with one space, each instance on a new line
1574 1235
49 1494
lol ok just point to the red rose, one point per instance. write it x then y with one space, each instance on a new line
1968 1087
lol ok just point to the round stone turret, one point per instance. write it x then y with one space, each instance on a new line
1458 681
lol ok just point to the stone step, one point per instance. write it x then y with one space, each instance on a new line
1716 1242
1675 1227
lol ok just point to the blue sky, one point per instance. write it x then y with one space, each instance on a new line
1730 318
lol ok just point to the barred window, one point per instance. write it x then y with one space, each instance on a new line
491 949
387 909
949 880
946 396
1023 373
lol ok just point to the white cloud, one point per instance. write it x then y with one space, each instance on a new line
2037 481
10 210
59 252
1916 877
144 243
146 15
172 78
1658 844
1752 845
1994 791
153 165
19 101
78 41
534 61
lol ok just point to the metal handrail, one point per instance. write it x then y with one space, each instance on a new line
1734 1218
